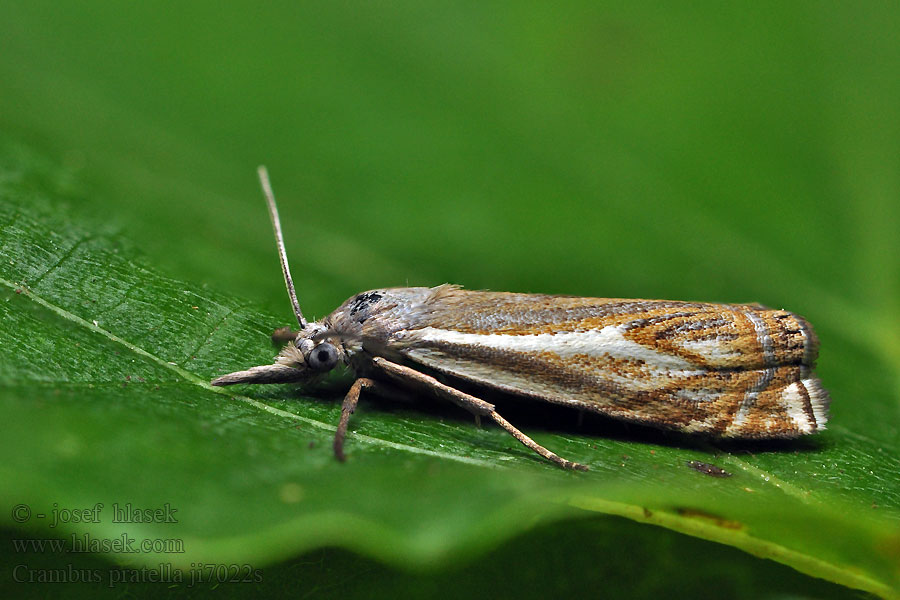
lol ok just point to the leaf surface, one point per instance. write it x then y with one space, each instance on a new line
105 399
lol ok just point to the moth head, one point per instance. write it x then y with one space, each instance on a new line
310 354
312 350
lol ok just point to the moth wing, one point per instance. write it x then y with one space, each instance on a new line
759 403
725 370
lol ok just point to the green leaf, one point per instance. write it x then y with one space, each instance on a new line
105 400
686 151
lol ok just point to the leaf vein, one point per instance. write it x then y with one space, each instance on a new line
67 254
196 380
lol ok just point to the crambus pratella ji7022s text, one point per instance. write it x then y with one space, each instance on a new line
739 371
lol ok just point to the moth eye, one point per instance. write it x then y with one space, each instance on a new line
323 357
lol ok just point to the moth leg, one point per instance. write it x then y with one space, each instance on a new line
475 405
283 335
349 406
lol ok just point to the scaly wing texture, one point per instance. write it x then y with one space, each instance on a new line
725 370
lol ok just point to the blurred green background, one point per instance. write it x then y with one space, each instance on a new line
739 152
706 152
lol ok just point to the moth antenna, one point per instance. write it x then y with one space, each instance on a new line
330 333
279 241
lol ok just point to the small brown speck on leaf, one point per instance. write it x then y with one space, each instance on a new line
708 469
714 519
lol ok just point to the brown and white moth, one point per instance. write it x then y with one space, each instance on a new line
722 370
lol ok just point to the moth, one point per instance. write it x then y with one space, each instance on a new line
722 370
